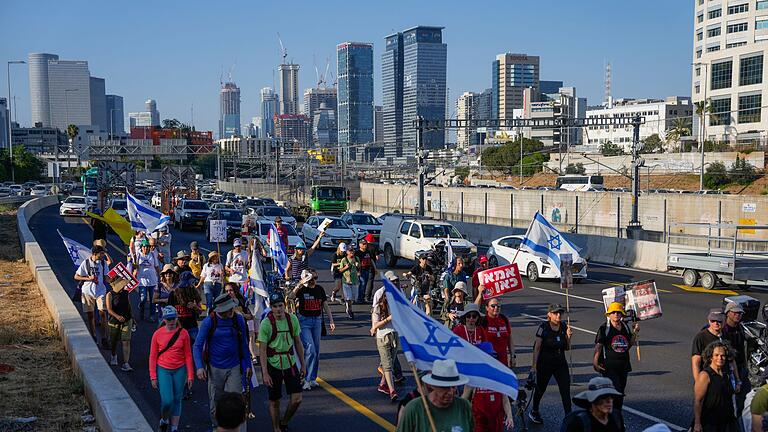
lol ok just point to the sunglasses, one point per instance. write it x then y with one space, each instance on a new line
473 316
716 322
495 306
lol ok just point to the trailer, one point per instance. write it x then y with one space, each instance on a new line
718 254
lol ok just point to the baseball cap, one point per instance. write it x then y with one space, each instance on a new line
343 247
483 259
716 315
193 245
237 242
169 312
733 307
392 276
276 298
555 307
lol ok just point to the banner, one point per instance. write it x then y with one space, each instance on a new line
121 276
218 231
644 299
566 271
500 280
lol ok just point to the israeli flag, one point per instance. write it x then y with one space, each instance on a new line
256 278
277 249
425 340
76 251
144 217
544 240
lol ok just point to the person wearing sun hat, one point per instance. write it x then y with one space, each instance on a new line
168 281
211 278
612 345
450 412
469 328
236 264
147 271
597 401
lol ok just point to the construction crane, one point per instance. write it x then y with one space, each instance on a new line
283 51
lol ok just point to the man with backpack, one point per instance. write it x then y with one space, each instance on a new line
279 336
221 351
91 275
598 414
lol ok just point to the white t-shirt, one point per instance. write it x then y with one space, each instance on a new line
239 263
212 273
90 268
147 268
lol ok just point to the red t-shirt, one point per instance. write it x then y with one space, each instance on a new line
488 410
473 337
498 330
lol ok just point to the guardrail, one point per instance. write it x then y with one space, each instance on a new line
113 408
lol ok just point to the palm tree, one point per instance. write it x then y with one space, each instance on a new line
681 126
704 108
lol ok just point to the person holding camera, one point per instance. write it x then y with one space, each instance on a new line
612 344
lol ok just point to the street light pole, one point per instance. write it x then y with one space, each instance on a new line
56 171
703 123
10 136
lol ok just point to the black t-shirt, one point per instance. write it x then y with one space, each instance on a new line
311 301
615 344
735 336
336 258
366 259
187 317
420 274
700 341
575 423
120 305
553 343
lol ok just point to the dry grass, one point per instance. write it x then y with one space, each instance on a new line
42 383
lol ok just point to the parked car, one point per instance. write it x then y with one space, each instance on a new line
503 250
74 206
68 186
5 192
363 223
337 232
234 218
190 213
40 191
403 236
271 212
120 205
17 189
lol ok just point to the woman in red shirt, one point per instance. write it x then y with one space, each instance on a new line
469 329
170 367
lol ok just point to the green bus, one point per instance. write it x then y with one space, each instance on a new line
89 180
329 199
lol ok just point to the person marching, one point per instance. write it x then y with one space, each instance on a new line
147 271
491 410
120 323
387 345
598 414
168 283
367 272
455 276
424 278
349 268
299 261
482 261
170 367
452 309
93 273
612 344
499 331
338 255
713 407
733 332
236 263
279 335
468 327
196 259
211 278
553 339
186 300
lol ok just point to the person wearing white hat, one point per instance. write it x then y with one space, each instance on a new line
237 263
450 413
453 307
597 401
338 255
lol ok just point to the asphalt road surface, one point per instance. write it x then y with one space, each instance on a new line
659 388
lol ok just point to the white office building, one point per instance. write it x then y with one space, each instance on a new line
69 93
38 87
659 115
149 117
729 44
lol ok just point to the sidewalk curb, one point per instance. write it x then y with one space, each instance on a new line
111 404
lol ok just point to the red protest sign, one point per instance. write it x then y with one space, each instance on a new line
500 280
121 275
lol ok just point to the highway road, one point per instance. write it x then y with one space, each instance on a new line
659 389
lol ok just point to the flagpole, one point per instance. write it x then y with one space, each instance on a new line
423 393
526 236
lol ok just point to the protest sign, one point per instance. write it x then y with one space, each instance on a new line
120 276
614 294
643 298
566 271
500 280
324 224
218 231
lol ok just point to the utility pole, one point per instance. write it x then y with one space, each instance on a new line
420 159
634 229
277 170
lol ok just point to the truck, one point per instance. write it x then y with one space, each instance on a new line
718 254
402 236
329 199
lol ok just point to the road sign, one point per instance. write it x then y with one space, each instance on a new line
500 280
218 231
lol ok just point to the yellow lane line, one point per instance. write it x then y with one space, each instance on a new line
389 427
663 290
704 290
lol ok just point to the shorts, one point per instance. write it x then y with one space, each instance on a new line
292 380
387 347
89 302
349 291
120 331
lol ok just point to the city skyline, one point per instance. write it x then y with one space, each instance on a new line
645 64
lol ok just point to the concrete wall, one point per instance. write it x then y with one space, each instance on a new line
661 163
111 405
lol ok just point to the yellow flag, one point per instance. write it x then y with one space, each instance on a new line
118 224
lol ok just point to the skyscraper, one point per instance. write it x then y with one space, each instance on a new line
69 93
154 115
115 115
355 112
38 87
378 124
472 106
324 127
269 107
149 117
99 115
422 66
313 97
229 100
512 74
289 88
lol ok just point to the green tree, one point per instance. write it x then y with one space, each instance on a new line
506 157
704 108
611 149
575 169
462 172
652 144
716 146
533 163
681 127
742 172
715 176
206 165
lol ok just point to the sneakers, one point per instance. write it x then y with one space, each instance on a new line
126 367
164 426
113 360
314 384
393 397
535 417
307 386
333 298
383 388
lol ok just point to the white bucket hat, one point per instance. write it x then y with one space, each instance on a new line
445 374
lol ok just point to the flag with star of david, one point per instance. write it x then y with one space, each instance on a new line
75 250
425 340
544 240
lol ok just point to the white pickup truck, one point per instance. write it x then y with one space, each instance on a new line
403 235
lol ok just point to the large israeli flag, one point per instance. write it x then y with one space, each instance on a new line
425 340
76 251
144 217
256 277
277 249
544 240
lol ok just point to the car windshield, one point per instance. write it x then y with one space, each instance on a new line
440 231
338 223
119 204
75 200
264 228
196 205
266 202
231 215
275 211
331 193
364 219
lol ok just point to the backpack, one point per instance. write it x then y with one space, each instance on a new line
271 352
586 422
214 322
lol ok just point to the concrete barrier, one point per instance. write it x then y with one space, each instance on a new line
112 407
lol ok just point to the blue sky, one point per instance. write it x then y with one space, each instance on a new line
175 51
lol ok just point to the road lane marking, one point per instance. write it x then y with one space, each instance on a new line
626 408
570 295
357 406
635 269
704 290
663 290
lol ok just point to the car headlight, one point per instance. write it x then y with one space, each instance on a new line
544 260
473 249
